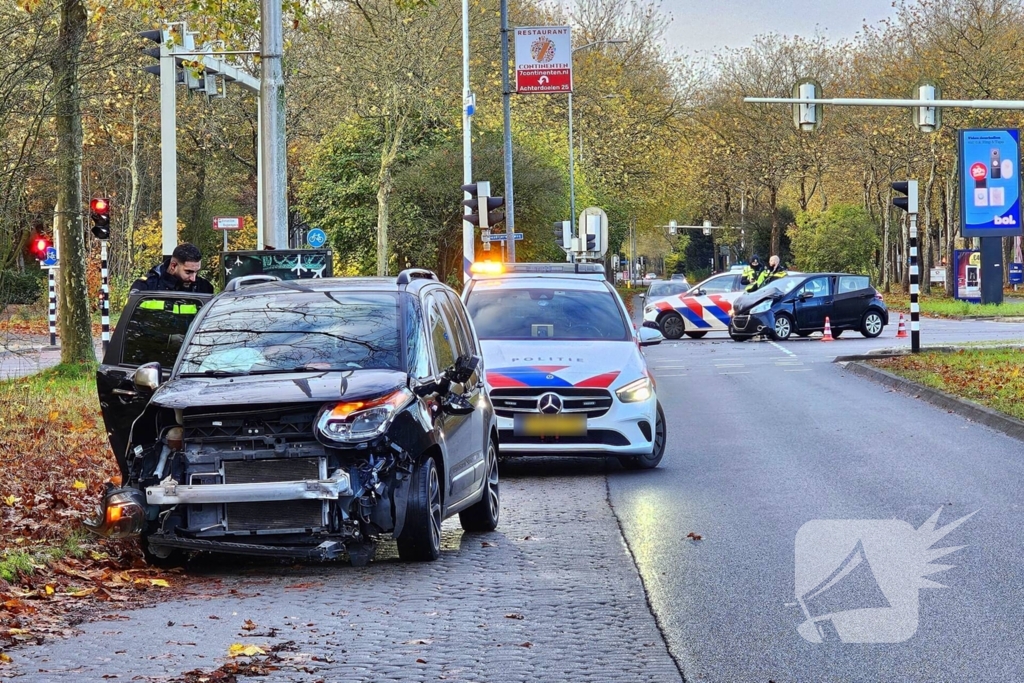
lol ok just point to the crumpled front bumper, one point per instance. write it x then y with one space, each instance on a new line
760 323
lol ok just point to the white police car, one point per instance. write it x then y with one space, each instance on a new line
704 308
563 363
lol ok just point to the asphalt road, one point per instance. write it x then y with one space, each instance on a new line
765 437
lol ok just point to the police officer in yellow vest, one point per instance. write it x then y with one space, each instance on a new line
774 271
752 270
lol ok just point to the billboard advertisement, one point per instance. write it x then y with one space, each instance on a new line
287 264
989 182
543 59
967 268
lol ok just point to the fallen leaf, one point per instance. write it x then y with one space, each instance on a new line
249 625
79 485
84 592
54 414
694 536
49 589
5 658
11 500
159 583
421 661
526 644
240 650
514 615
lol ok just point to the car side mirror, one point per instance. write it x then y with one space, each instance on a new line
805 295
426 388
642 296
147 377
650 336
463 369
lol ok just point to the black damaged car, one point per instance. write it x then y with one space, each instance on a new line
302 419
800 305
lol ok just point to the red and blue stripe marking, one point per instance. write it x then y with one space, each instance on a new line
544 376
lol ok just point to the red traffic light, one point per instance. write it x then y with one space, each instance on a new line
39 245
99 206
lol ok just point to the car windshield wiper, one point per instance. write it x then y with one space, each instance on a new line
310 367
214 373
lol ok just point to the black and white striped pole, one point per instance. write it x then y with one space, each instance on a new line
53 307
104 296
908 203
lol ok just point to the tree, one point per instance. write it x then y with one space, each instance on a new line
842 239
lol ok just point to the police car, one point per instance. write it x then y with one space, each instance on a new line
704 308
563 363
707 307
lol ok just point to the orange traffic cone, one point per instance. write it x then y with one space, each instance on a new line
901 331
828 331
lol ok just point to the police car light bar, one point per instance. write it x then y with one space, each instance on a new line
590 268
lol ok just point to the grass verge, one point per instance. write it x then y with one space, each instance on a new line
991 377
944 307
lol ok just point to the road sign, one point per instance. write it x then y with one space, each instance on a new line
316 238
500 237
228 222
543 59
989 186
51 258
1016 273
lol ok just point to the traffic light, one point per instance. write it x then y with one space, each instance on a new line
482 206
39 245
563 235
908 202
99 211
591 236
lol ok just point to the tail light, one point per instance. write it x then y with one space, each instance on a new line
878 295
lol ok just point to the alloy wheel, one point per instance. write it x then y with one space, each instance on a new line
434 496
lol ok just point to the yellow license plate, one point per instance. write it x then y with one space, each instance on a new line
551 425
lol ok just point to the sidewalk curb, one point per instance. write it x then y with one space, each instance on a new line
975 412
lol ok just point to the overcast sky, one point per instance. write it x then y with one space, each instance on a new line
706 25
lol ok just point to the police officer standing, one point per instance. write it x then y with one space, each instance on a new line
752 270
774 271
178 273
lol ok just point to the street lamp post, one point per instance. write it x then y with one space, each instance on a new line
572 177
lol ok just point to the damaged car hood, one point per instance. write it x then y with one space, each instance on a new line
298 387
601 364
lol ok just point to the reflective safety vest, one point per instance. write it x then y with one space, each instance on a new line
176 309
764 278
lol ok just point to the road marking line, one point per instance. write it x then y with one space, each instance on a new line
744 372
728 365
783 349
664 376
804 370
788 362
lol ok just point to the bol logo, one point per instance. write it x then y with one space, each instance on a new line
978 171
1004 220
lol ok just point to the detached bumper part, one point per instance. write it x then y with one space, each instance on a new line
170 492
328 550
123 514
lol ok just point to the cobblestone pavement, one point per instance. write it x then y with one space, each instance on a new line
553 595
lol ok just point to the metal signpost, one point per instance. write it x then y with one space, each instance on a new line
51 263
226 223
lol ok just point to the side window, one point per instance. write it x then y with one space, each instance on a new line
722 285
819 286
156 331
443 350
416 343
852 283
465 331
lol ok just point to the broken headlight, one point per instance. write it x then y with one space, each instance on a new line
354 421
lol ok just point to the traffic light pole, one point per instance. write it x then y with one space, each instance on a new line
468 233
915 308
510 219
104 296
53 307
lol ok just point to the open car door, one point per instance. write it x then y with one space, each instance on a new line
151 329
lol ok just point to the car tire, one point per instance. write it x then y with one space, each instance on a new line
871 325
483 515
672 325
420 540
783 329
695 335
649 462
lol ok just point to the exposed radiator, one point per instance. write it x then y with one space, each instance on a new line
278 515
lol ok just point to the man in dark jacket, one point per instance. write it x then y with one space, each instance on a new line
178 273
752 271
